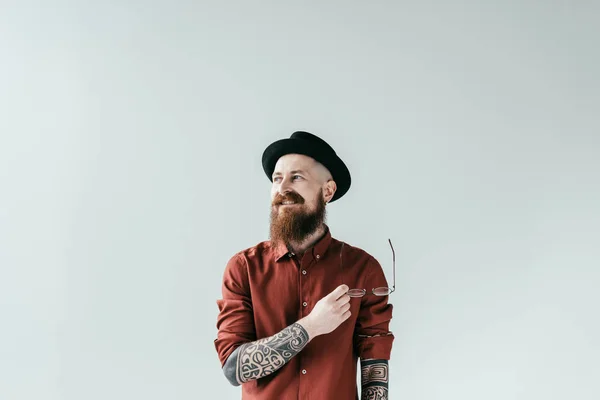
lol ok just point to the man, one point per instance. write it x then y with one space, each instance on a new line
287 326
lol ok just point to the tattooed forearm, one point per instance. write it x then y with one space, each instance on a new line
374 379
374 393
260 358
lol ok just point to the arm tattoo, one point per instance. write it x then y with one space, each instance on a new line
374 379
262 357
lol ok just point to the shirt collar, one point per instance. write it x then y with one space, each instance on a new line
317 250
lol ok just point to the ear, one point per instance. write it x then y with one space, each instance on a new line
329 189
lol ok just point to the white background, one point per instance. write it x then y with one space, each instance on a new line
130 142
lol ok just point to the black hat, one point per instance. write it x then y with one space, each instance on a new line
313 146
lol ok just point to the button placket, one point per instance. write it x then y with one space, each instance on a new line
304 290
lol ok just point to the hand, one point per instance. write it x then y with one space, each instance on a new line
328 313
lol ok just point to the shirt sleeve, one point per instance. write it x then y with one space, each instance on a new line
235 322
372 337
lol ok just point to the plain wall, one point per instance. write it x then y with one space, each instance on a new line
130 143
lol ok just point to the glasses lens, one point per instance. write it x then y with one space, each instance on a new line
382 291
356 292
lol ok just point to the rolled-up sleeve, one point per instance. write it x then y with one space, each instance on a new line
372 337
235 322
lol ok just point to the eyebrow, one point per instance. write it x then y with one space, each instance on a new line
296 171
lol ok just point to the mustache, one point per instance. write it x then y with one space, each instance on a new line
291 196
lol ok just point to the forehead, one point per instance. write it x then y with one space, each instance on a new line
294 162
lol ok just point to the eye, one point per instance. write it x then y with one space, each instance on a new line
296 177
277 179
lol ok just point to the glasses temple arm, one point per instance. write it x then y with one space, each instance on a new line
394 263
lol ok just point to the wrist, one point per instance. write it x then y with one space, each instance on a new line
309 327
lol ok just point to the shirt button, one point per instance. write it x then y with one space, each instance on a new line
305 304
304 371
303 272
318 256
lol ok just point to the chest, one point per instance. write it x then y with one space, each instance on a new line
285 291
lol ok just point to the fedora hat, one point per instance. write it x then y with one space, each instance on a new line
308 144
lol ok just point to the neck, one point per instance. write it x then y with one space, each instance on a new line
300 247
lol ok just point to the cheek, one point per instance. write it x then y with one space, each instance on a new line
313 198
274 192
309 197
311 204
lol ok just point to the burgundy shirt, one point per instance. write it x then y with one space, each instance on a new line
266 288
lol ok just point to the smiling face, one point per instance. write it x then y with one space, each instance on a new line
301 188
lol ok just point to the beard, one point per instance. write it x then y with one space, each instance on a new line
295 223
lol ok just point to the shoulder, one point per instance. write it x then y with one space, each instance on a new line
364 265
353 254
357 260
259 250
245 256
237 266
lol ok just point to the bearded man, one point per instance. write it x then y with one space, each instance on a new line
299 310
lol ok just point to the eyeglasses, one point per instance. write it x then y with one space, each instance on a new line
379 291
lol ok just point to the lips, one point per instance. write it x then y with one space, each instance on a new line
289 199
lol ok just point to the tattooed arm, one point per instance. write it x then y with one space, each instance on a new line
262 357
374 379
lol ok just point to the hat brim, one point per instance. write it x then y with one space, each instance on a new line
338 169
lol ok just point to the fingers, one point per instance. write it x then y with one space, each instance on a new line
339 291
345 307
346 315
345 299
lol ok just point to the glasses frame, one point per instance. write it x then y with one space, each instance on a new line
363 292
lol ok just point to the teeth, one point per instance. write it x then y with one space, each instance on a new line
287 202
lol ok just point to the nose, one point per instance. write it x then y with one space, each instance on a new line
284 192
284 187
